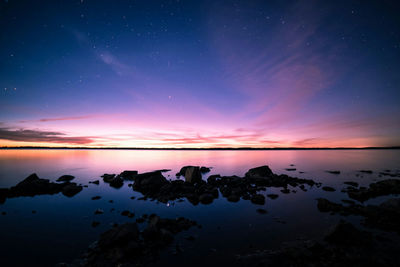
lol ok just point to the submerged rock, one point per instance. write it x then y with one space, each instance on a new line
258 199
328 189
333 172
125 245
381 188
65 178
71 189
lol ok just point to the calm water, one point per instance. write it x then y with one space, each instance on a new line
60 230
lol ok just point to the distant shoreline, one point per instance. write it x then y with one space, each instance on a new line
193 148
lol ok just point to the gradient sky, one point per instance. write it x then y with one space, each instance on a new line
200 73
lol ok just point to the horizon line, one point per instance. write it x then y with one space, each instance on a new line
198 148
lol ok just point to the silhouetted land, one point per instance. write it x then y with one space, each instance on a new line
210 148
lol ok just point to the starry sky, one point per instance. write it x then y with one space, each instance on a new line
199 73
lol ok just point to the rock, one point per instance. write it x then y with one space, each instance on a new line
95 224
366 171
206 198
149 182
333 172
261 211
290 169
351 183
328 189
258 199
273 196
262 171
96 197
65 178
96 182
381 188
193 175
233 198
107 178
117 182
128 175
98 211
71 189
204 169
285 191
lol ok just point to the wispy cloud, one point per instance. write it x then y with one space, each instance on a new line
59 119
26 135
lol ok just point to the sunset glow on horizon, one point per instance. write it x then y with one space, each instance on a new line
199 74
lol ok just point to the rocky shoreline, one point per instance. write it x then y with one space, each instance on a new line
126 245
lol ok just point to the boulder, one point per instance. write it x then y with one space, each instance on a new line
128 175
65 178
258 199
193 175
71 189
262 171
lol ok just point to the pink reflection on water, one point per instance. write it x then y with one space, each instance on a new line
90 164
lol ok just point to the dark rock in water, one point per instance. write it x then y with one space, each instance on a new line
381 188
33 211
347 201
65 178
258 199
351 183
206 198
117 182
385 216
96 197
262 211
325 205
154 186
107 178
132 197
71 189
262 171
204 169
366 171
128 175
149 182
193 175
97 182
285 191
344 246
333 172
346 234
95 224
233 198
328 189
290 169
273 196
127 213
3 213
33 185
98 211
125 245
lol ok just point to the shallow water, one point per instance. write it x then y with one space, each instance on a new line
60 230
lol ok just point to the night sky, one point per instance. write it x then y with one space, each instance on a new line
200 73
